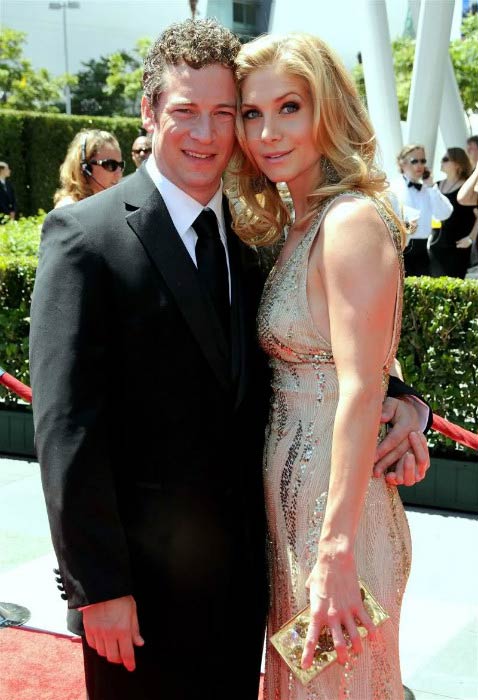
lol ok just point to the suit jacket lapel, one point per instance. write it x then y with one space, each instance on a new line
151 222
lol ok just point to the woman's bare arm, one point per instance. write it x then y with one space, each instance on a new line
468 192
359 269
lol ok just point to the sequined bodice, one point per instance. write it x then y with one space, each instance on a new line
296 478
286 330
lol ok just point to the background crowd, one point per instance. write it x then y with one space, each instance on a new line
441 213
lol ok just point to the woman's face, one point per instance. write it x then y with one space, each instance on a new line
449 167
414 164
103 178
278 117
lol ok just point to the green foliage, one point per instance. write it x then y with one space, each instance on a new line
126 72
464 56
439 349
35 145
403 56
21 237
17 275
19 242
21 86
91 95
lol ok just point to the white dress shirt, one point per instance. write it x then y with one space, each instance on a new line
429 201
184 211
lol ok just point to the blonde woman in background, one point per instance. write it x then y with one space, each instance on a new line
330 322
414 188
92 164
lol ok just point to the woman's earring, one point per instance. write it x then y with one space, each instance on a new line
331 176
258 183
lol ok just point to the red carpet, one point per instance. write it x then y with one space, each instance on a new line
40 666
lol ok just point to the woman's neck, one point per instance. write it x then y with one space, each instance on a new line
450 184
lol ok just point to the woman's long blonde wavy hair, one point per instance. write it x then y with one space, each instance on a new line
73 182
343 134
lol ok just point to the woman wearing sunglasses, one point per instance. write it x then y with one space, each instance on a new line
92 164
415 189
450 245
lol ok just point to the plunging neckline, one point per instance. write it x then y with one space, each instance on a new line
277 268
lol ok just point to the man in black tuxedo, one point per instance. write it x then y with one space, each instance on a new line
150 400
7 194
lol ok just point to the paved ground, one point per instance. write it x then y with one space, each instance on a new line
439 631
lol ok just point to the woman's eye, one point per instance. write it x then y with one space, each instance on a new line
290 107
250 114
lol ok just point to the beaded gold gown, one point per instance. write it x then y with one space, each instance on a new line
296 477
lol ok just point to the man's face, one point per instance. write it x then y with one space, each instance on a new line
472 150
193 127
140 150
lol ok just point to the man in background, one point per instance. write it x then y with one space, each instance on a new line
7 194
141 149
472 149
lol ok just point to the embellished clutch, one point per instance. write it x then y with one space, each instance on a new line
290 639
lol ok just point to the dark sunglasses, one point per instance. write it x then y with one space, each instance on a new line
445 159
109 164
414 161
141 150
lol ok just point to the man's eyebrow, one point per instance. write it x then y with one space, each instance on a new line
276 99
185 102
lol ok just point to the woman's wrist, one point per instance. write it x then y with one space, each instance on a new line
335 548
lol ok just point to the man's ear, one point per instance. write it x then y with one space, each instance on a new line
147 115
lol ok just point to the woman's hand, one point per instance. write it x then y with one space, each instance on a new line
465 242
335 601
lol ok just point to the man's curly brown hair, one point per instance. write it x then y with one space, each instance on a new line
198 43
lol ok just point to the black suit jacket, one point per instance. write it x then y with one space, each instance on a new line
7 198
148 431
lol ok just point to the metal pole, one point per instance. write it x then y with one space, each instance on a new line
65 46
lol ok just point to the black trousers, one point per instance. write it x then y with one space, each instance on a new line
219 674
415 258
449 262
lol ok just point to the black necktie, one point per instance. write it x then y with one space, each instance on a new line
417 185
212 265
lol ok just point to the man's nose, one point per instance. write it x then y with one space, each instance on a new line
203 129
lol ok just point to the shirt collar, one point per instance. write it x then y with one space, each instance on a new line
183 208
407 179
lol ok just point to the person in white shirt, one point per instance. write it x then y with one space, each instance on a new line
414 188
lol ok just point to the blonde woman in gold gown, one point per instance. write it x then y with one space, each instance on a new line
330 322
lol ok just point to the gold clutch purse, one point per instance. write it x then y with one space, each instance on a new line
290 639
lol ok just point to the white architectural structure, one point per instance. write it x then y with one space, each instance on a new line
380 81
426 94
